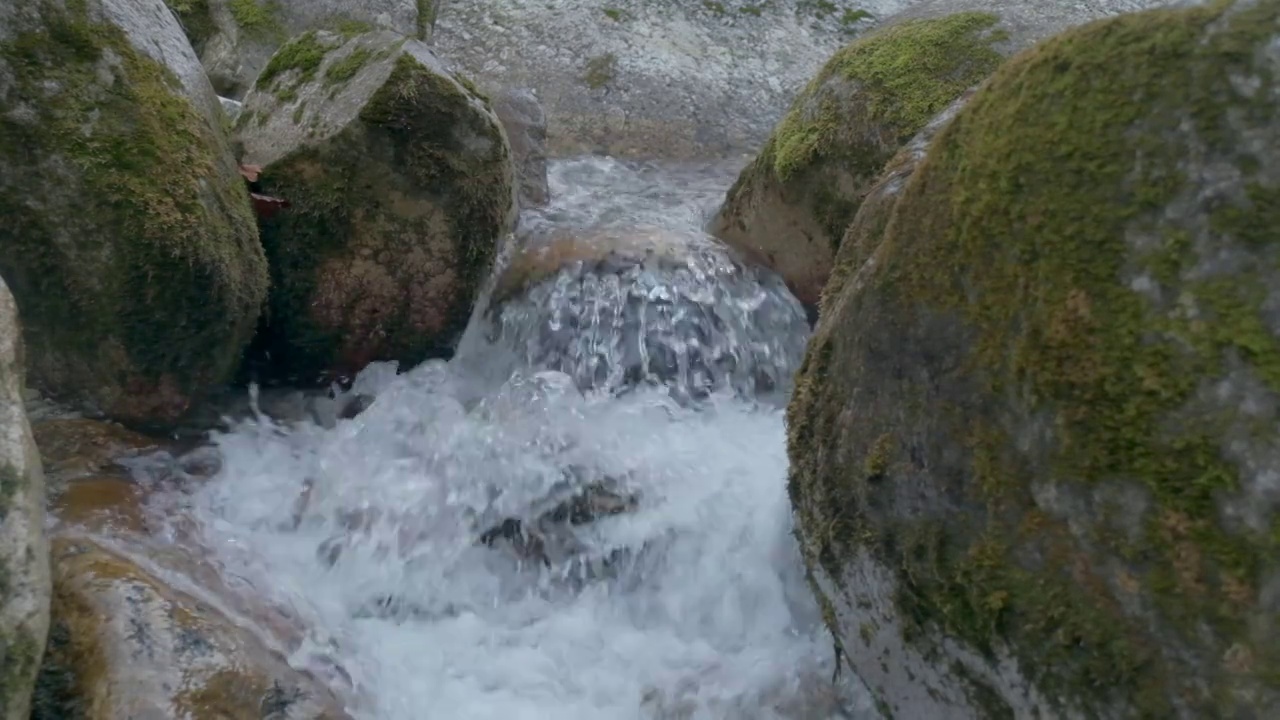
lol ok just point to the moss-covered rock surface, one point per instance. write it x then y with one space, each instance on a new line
24 556
401 184
791 206
236 38
128 238
1034 440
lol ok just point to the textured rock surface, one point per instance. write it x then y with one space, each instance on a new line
125 644
653 78
526 125
236 38
128 238
401 184
1034 442
24 555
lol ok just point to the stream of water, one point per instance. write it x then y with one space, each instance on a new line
437 544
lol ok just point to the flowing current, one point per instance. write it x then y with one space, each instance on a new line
583 515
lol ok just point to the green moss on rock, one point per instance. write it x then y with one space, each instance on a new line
1088 310
302 54
258 18
791 206
130 244
393 225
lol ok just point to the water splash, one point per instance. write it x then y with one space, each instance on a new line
471 549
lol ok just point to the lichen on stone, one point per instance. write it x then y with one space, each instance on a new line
1088 305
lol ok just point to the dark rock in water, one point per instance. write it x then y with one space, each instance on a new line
618 308
401 185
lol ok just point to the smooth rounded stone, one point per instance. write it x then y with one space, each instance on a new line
644 79
236 38
128 240
125 644
1034 441
400 183
619 307
526 125
24 552
791 206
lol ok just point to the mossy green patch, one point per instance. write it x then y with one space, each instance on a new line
343 70
258 18
1054 270
405 145
427 10
617 14
304 54
601 70
156 275
900 77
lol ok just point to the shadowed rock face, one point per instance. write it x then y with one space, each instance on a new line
1034 441
24 554
400 183
637 78
129 241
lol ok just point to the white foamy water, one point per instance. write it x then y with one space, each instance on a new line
687 602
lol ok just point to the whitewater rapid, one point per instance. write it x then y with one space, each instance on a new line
690 605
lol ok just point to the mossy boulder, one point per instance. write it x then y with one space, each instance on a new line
236 38
24 554
867 229
791 206
1035 439
401 185
125 644
128 239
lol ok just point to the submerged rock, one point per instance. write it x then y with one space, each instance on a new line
614 308
635 78
125 644
24 554
128 238
236 38
791 206
401 184
1034 442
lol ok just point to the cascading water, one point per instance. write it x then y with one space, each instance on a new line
481 546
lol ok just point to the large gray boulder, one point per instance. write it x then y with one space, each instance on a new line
24 553
1035 440
128 238
236 38
792 204
648 79
401 185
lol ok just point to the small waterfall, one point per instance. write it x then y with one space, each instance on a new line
583 515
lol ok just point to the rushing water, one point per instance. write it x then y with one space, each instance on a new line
481 546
